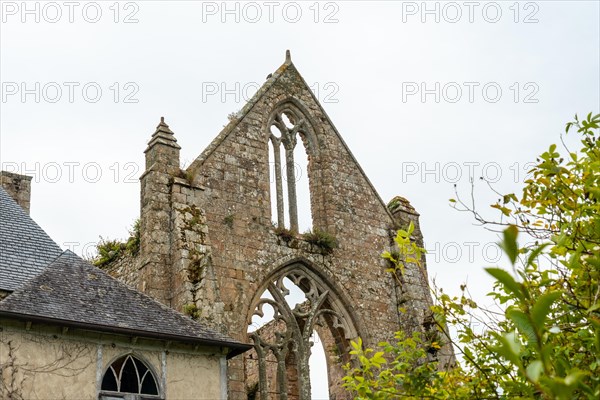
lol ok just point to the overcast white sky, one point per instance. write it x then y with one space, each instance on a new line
425 95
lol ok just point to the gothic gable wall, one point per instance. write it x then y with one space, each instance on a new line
209 246
246 249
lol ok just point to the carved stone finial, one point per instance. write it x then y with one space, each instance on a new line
288 57
163 135
162 125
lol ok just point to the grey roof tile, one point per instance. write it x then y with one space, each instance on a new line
72 291
58 287
25 249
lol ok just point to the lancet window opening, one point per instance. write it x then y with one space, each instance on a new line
289 173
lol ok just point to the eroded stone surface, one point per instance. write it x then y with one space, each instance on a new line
18 187
209 247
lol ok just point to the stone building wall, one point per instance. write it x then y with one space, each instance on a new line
124 268
246 252
46 362
209 245
18 187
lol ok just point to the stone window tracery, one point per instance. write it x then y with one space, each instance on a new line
287 125
282 347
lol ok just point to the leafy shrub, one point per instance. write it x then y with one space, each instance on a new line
133 243
109 250
545 342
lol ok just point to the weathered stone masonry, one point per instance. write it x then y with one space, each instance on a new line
18 187
209 246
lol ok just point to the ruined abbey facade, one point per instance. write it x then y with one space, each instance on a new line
212 247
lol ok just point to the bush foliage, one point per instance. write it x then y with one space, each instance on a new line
109 250
545 342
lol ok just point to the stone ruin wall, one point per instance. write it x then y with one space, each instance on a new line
208 244
18 187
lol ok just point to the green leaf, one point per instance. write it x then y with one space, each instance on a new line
534 370
541 308
509 244
569 124
508 197
509 283
523 323
378 358
574 377
593 308
535 253
510 348
411 228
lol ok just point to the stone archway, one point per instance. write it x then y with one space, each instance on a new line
278 367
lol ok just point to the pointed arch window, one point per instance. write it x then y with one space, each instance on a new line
295 303
290 193
129 378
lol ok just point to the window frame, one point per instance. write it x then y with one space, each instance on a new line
112 395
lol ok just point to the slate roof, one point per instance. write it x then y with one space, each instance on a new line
72 292
25 249
56 287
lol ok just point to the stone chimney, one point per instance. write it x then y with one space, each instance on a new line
18 187
162 165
